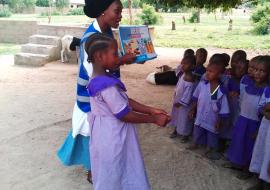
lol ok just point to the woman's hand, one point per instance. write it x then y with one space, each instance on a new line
156 111
128 58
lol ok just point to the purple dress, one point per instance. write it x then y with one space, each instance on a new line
183 95
261 154
234 104
210 107
246 126
116 158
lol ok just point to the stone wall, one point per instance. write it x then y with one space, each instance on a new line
58 30
16 31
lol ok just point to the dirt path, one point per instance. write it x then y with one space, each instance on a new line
36 107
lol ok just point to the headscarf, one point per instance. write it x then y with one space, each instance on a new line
94 8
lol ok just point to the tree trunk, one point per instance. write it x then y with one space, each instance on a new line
130 11
199 15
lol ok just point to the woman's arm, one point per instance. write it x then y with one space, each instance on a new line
138 107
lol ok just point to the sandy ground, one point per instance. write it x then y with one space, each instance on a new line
36 108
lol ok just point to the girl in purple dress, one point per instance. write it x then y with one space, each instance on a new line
210 98
116 159
248 122
260 162
182 99
233 86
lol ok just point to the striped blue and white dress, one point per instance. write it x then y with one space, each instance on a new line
75 150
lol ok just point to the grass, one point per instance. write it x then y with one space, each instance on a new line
9 49
208 33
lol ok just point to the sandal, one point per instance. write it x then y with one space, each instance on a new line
244 175
212 155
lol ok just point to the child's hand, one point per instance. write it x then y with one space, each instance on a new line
177 105
217 126
128 58
254 136
266 111
233 94
191 114
161 120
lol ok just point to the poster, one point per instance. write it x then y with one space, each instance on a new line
137 39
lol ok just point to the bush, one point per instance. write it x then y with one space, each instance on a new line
76 11
42 3
261 27
149 16
261 19
5 12
18 6
194 17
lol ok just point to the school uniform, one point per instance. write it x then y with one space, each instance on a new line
246 126
116 157
210 107
183 96
234 104
261 154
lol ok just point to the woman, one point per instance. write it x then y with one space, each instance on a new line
75 150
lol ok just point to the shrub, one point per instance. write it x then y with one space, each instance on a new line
5 12
148 15
76 11
42 3
261 27
261 19
194 17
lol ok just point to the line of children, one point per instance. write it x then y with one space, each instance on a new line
225 109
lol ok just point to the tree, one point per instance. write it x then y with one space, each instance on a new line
60 4
42 3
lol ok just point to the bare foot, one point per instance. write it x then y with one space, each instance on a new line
193 147
89 177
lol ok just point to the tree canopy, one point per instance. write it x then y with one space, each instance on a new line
208 4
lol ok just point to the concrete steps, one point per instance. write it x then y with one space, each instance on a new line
44 40
31 59
40 50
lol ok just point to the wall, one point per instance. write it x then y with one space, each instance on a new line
16 31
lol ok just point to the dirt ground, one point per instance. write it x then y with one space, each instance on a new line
36 108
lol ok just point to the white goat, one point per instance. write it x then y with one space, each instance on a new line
69 43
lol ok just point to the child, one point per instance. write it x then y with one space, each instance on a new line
182 100
201 56
233 87
116 157
238 55
211 101
178 69
260 162
248 122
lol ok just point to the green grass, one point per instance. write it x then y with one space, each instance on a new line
9 49
208 33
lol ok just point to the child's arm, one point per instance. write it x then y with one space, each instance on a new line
138 107
134 117
192 111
